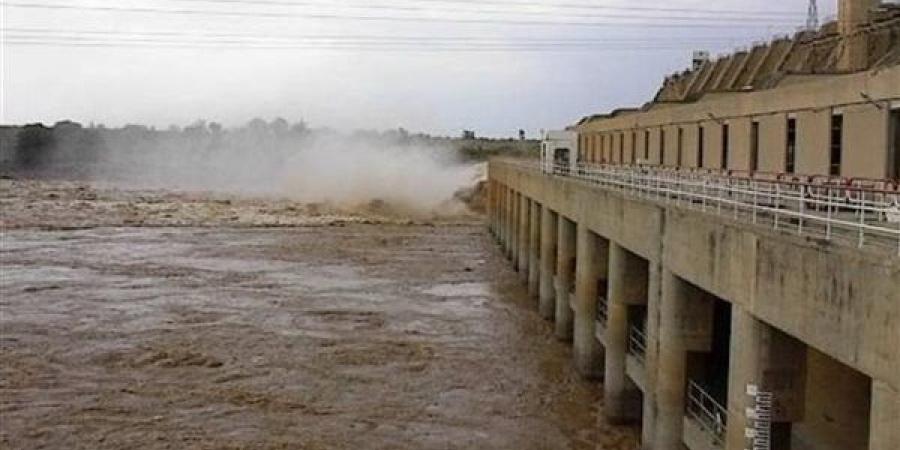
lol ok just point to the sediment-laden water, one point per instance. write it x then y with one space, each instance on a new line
161 320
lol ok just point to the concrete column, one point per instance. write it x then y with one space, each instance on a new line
651 357
514 229
884 419
565 265
508 214
775 362
500 209
546 289
534 249
524 236
671 380
614 396
507 198
495 212
588 271
746 344
491 207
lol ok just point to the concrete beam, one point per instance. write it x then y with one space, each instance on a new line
549 235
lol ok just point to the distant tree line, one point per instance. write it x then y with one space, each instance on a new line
69 148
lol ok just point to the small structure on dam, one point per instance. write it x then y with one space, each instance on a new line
726 258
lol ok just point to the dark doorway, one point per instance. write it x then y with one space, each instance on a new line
754 146
700 137
837 145
791 138
724 146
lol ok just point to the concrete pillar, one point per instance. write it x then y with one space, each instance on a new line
590 267
534 249
524 236
884 419
501 217
546 289
683 322
510 197
495 212
651 357
565 265
775 362
746 345
492 207
514 229
614 396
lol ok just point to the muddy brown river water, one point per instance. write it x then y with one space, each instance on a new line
342 336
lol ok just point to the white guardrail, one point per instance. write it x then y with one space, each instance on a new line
847 214
707 412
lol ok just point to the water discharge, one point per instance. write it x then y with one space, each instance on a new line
127 332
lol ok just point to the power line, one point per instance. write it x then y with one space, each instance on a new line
147 44
336 16
18 37
44 32
565 5
706 15
578 6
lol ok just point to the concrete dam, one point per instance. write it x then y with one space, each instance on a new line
711 316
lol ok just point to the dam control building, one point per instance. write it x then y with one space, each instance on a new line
725 260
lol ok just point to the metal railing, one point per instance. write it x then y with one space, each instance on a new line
711 416
602 310
637 343
849 214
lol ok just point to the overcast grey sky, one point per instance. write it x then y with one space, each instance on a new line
427 65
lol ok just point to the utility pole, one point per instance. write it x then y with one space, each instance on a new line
812 16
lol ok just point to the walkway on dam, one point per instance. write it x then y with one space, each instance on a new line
719 313
840 211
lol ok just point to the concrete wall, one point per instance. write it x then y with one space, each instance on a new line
809 98
739 154
824 295
813 141
772 143
841 303
865 142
